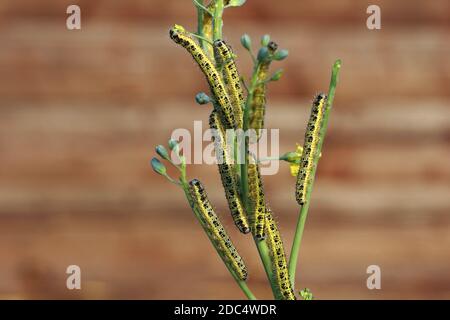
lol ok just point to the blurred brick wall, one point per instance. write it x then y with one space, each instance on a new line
81 111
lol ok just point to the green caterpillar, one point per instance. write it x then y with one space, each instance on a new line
215 230
258 103
258 213
225 59
179 35
310 152
280 270
227 175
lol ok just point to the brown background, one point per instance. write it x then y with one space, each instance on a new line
81 111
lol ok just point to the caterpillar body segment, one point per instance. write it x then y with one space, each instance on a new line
225 59
257 216
258 103
280 269
227 175
310 150
215 230
223 103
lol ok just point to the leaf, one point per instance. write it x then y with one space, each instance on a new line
235 3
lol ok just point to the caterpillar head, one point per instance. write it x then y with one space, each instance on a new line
196 184
320 98
272 46
219 43
175 32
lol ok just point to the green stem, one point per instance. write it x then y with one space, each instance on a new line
200 16
217 19
304 209
261 245
242 284
217 32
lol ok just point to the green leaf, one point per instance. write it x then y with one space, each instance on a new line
235 3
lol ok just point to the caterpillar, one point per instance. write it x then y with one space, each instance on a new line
258 213
258 103
312 137
179 35
225 59
280 270
227 175
215 230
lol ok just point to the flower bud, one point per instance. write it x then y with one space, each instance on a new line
277 75
281 55
291 157
158 167
265 40
246 42
162 152
173 144
202 98
263 54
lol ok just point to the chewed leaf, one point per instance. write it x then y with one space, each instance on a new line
234 3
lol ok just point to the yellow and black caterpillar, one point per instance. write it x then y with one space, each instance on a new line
280 270
225 60
257 216
227 174
222 102
310 152
215 230
258 103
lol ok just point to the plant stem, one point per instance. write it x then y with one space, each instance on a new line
217 19
304 209
200 19
217 34
261 245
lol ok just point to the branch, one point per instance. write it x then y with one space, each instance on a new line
304 209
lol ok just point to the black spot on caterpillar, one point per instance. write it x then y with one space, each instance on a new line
257 216
258 103
225 60
215 230
223 103
227 175
279 265
310 152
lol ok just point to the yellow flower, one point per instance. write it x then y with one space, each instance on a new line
294 159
